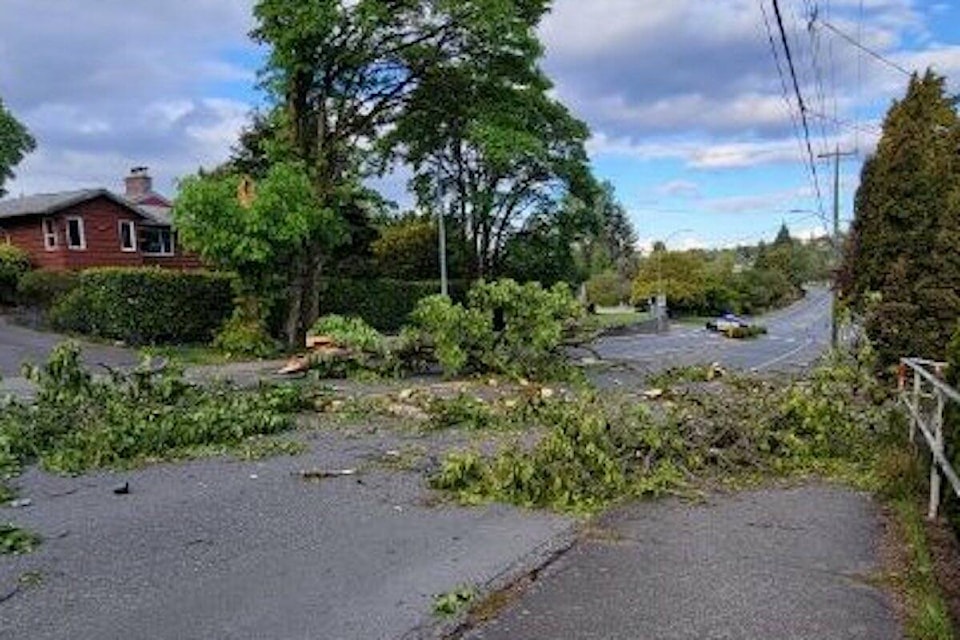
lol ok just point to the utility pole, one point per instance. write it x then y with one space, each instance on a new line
834 316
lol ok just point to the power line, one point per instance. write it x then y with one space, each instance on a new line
810 166
859 45
849 124
783 81
816 65
760 235
803 106
858 109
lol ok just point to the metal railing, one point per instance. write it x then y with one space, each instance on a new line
925 395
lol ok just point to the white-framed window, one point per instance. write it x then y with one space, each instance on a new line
157 241
49 234
128 236
75 237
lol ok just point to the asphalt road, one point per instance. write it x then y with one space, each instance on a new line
230 550
792 564
797 336
20 344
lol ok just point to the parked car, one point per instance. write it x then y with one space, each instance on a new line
726 322
733 326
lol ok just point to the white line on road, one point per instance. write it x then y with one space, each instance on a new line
783 357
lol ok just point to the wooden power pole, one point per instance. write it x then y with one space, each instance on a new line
834 317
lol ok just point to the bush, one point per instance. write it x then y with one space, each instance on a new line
745 333
245 333
147 306
505 327
14 263
43 289
349 333
607 289
383 304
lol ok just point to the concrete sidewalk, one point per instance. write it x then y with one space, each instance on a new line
789 564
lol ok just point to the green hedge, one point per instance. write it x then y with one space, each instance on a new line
14 263
147 306
43 289
383 303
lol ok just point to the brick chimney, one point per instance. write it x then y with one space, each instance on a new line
138 183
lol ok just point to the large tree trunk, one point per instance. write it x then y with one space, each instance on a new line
293 331
304 299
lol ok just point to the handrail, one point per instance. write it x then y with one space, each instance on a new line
919 365
930 426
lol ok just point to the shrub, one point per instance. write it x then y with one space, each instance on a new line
245 332
383 304
43 289
745 333
607 289
147 305
349 333
504 327
14 263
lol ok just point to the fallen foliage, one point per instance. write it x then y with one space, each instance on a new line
599 448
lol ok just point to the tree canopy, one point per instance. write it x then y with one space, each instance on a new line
15 143
263 235
487 142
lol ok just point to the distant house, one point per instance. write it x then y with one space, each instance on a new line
96 228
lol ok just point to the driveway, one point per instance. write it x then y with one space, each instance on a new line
19 344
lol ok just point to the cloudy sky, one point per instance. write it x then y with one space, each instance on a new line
683 97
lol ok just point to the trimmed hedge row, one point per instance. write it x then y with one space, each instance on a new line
146 305
43 289
384 304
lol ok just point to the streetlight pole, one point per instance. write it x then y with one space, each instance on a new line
444 286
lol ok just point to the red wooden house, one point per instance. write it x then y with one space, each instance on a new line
96 228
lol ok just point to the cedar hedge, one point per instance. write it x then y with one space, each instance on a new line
384 304
146 305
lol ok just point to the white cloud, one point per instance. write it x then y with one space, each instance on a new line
677 243
107 85
679 188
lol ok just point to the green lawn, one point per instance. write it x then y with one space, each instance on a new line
188 354
612 320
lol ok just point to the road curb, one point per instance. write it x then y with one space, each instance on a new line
543 555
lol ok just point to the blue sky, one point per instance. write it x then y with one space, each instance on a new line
683 97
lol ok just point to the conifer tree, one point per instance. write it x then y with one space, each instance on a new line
901 265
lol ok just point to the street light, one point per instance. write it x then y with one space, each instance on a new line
661 294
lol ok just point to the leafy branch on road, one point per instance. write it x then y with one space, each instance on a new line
16 541
599 449
78 422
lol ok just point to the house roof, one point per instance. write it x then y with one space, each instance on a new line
48 203
156 214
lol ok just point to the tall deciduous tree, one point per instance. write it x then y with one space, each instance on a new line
487 142
265 235
901 261
343 73
15 143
